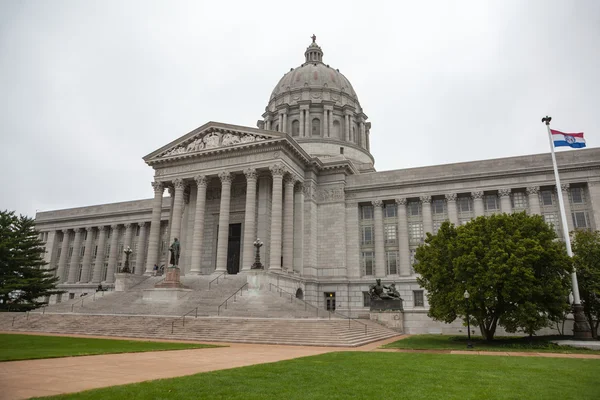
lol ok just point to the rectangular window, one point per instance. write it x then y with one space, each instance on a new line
60 239
547 197
577 196
70 252
367 235
109 233
413 259
366 212
107 252
519 201
367 262
418 298
464 204
85 234
104 271
490 201
438 206
137 230
392 262
415 232
366 299
436 226
71 296
95 251
82 251
80 270
580 220
121 248
389 211
414 208
552 220
58 253
390 233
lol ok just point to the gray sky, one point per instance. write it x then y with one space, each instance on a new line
90 87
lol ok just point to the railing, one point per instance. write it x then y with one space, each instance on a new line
350 319
222 274
195 310
240 290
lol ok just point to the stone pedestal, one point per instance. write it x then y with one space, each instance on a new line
258 279
164 295
393 320
125 281
172 279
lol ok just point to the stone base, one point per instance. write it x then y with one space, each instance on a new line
258 279
126 281
386 305
581 327
393 320
172 279
164 295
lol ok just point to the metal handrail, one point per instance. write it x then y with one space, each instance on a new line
350 319
195 310
222 274
233 295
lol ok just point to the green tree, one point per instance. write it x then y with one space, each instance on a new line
23 279
586 248
515 270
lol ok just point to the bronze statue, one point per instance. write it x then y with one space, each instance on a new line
175 251
314 38
377 292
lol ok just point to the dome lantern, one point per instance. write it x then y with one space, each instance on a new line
313 52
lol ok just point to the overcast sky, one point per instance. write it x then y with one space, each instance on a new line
90 87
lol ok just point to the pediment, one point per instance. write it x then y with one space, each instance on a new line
212 136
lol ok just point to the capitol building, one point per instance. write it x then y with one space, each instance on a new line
304 182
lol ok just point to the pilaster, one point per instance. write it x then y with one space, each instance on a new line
380 270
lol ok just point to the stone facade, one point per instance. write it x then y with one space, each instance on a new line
304 182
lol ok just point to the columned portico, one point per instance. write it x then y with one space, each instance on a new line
197 244
99 263
75 256
249 219
153 240
87 255
277 171
223 235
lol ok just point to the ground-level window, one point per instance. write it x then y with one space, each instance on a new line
366 299
71 296
418 298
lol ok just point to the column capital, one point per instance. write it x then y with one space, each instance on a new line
114 226
141 224
250 174
89 228
565 187
290 180
477 195
101 228
201 180
127 225
179 184
299 188
225 177
450 197
401 201
503 192
65 231
377 203
532 190
426 199
158 187
77 230
277 169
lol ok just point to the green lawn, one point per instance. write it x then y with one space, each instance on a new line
26 347
445 342
358 375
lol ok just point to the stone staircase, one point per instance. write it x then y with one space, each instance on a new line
307 332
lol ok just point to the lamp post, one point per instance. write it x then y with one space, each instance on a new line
469 344
257 264
125 269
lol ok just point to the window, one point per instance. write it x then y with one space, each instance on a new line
390 233
79 274
104 271
95 251
71 296
392 262
577 195
552 220
60 238
366 212
389 210
70 252
107 251
58 253
109 232
490 202
438 206
547 197
121 248
295 128
316 127
85 233
414 208
82 251
367 262
137 230
581 220
367 235
418 298
366 299
464 204
415 232
59 297
413 253
519 200
436 226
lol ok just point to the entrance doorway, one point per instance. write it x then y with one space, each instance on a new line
233 248
330 301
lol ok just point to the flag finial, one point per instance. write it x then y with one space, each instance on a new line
547 120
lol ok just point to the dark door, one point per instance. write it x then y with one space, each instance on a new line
330 301
233 248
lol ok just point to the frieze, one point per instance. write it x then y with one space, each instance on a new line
212 140
324 195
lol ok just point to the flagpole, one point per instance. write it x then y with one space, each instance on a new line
581 328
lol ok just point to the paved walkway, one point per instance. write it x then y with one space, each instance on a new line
31 378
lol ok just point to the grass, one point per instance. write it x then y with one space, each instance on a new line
370 375
541 344
28 347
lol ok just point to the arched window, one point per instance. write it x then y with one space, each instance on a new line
336 130
295 128
316 127
299 294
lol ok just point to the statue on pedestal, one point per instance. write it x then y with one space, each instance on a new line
385 297
175 252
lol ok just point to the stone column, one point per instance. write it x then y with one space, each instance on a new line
280 123
223 236
403 239
565 195
75 257
325 125
330 128
478 204
301 133
347 128
99 263
276 213
452 210
299 229
154 239
249 219
127 241
427 219
140 257
171 191
380 270
198 242
288 224
363 139
177 210
534 200
284 123
307 125
87 256
64 255
112 257
505 205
